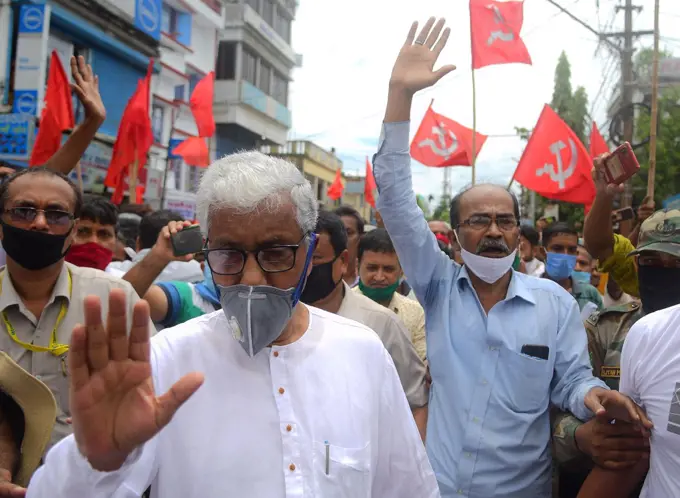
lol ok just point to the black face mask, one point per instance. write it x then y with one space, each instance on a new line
319 283
32 249
659 287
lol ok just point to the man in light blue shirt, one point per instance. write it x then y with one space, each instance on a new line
502 346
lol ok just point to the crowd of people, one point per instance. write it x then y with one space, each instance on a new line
300 354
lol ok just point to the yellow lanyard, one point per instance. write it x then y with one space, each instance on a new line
54 348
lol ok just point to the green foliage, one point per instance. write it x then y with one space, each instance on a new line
441 212
562 94
423 204
667 180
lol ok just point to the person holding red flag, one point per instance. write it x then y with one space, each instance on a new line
502 346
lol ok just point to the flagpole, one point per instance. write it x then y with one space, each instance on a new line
132 180
474 126
655 106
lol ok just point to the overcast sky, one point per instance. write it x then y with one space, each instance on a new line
339 94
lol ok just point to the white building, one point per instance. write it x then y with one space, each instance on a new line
253 71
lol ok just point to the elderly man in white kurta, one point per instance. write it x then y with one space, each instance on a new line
277 399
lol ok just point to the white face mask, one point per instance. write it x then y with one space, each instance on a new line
490 270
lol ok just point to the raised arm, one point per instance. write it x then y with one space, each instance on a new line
416 246
86 87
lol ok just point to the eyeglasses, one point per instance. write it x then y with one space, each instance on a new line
274 259
59 221
482 222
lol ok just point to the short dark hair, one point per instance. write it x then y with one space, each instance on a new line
99 209
377 240
41 170
152 224
331 224
350 211
531 234
454 211
555 229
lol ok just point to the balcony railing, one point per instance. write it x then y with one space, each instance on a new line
306 149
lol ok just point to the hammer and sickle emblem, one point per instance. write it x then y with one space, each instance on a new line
557 172
499 34
440 147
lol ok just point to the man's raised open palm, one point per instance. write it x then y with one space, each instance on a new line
113 403
414 67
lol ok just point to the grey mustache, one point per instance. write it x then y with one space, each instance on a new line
487 244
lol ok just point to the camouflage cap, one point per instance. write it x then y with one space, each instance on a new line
660 232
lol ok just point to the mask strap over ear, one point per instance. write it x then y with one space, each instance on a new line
303 278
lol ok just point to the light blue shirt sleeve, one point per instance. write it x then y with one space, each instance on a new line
573 371
416 245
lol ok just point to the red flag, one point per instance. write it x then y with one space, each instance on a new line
201 103
135 136
555 164
598 145
369 185
57 114
336 188
194 151
495 33
48 140
441 141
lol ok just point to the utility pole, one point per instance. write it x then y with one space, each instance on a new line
627 79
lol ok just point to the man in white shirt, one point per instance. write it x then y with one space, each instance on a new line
529 248
650 375
291 401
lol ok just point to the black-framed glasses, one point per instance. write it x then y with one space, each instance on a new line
272 259
58 220
482 222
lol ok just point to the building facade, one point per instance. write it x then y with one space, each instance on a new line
117 40
253 71
318 165
355 186
188 48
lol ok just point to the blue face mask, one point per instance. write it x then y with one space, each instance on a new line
582 277
559 266
208 279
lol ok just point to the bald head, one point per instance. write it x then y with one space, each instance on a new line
482 198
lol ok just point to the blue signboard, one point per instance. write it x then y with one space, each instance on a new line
25 102
31 18
148 17
16 136
174 142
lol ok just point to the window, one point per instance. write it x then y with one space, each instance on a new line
193 178
175 173
255 4
157 115
282 25
249 67
265 77
226 61
169 20
268 12
279 89
179 92
193 81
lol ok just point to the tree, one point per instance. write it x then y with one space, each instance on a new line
441 212
562 95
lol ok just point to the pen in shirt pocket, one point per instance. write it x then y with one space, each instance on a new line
328 456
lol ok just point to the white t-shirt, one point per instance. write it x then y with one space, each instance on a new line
650 375
535 267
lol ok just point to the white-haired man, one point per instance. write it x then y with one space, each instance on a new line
291 401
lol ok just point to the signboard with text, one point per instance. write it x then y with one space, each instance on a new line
30 63
148 17
16 136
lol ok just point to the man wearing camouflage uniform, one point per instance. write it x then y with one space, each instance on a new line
576 444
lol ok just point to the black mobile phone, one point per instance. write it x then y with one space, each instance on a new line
187 241
623 214
536 351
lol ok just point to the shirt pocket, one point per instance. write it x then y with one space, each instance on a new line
342 472
523 381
